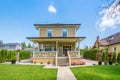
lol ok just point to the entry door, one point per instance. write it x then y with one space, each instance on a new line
65 49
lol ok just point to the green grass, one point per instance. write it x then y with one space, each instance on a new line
26 72
97 72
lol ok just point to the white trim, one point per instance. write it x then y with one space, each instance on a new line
39 33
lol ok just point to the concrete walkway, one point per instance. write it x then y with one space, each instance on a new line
64 73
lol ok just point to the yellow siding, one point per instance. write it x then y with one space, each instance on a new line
57 32
43 60
103 47
75 60
111 48
71 32
43 32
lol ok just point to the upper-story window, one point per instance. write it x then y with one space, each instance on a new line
115 49
49 32
64 32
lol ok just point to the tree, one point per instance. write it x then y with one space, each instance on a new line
110 14
23 45
29 45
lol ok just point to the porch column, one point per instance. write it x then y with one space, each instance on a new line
79 49
38 46
56 52
33 49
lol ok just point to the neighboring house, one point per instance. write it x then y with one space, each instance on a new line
10 46
110 43
57 44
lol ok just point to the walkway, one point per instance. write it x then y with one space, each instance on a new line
64 73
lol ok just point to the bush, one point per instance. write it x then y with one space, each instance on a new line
90 54
118 58
6 55
24 55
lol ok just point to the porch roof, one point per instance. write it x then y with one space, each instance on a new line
54 39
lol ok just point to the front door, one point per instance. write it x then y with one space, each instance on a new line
65 49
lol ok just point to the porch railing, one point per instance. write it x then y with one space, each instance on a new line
74 53
69 58
45 54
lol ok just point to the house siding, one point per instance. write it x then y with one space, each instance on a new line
71 32
43 60
111 48
57 32
43 32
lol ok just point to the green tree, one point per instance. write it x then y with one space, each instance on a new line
23 45
29 45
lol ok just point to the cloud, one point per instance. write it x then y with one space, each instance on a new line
110 17
52 9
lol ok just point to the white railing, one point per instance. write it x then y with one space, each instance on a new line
69 58
45 54
74 53
56 57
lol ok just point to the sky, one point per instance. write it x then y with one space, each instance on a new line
18 16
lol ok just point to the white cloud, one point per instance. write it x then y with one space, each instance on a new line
52 9
110 17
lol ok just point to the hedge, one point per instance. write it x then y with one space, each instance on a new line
8 55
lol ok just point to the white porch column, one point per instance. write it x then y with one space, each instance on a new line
56 52
79 48
38 46
33 49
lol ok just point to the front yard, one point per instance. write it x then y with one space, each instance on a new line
97 72
26 72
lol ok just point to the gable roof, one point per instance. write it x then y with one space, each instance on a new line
113 39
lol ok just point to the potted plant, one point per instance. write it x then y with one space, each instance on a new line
99 58
110 57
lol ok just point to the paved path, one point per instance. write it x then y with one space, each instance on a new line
64 73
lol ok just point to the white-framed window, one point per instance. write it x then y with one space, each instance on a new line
64 32
48 48
49 32
115 49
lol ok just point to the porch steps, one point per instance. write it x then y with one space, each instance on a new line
63 61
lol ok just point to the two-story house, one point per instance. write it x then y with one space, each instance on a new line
57 43
110 43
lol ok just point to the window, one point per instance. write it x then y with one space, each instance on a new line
64 32
49 32
48 48
115 49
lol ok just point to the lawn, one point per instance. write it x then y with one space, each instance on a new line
26 72
97 72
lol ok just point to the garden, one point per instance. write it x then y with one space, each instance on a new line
103 57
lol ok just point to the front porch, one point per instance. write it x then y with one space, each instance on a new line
56 50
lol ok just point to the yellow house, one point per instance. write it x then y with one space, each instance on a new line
57 44
110 43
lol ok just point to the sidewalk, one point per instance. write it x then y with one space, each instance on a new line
64 73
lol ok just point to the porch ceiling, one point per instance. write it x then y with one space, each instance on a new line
54 39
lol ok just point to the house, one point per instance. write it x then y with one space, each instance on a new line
10 46
110 43
56 44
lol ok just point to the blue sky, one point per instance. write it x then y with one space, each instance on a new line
18 16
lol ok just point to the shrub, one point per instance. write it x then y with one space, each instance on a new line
90 54
118 58
24 55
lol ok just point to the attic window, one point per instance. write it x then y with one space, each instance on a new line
111 38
